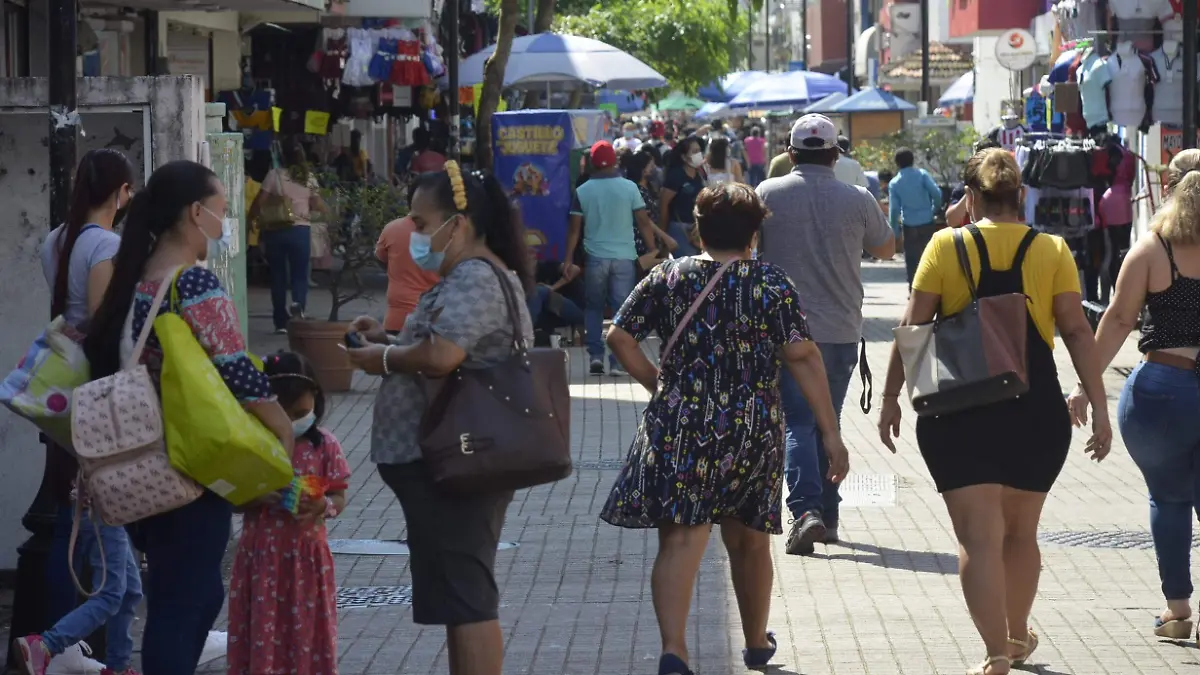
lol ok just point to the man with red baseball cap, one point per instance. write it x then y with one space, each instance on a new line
605 210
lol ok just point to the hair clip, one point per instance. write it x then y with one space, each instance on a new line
456 185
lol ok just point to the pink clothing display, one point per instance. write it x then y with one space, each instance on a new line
283 594
1116 205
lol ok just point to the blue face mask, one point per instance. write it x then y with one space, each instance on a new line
222 244
302 425
628 134
420 247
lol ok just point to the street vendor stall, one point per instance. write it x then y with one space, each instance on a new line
536 152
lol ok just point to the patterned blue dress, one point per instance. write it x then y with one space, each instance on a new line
710 445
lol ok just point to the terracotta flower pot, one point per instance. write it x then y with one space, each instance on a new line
319 342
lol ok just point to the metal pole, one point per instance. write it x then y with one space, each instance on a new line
849 46
1189 74
150 22
925 53
30 613
804 11
452 77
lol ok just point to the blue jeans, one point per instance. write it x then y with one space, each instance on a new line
808 488
61 597
679 232
606 283
288 257
184 587
115 602
569 314
1158 421
756 174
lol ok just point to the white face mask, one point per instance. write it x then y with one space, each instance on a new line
695 159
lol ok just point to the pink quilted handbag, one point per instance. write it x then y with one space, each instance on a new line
117 431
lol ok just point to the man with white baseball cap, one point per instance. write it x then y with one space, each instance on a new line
818 228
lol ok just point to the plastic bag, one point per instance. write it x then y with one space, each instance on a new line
39 389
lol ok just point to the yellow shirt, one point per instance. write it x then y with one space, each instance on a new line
253 187
1049 269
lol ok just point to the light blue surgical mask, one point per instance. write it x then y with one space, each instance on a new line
223 243
629 134
420 247
302 425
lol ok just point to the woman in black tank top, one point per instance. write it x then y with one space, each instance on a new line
1157 411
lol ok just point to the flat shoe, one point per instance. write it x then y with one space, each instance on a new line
670 664
1175 629
982 669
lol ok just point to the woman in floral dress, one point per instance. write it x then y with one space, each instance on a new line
710 446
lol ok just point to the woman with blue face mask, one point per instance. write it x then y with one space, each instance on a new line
176 221
469 233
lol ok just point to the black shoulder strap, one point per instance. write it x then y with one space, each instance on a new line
1026 242
1170 256
964 262
985 261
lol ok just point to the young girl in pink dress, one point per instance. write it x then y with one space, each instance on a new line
283 596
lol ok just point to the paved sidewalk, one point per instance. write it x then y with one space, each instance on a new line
576 594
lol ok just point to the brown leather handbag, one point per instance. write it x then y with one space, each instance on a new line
502 428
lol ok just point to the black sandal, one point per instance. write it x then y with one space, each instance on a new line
670 664
759 657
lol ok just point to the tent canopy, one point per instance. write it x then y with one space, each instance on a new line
872 100
792 89
678 102
724 89
826 104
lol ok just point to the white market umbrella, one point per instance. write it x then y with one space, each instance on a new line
792 89
564 61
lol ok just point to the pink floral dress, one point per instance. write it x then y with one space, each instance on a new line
283 595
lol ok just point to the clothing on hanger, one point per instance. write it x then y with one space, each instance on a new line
1094 78
1131 93
1168 93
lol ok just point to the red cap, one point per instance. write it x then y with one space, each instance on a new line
657 129
603 155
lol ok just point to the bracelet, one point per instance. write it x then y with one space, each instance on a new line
386 350
887 395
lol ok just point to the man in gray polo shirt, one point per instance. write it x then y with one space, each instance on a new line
817 231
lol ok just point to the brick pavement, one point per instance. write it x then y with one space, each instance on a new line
576 595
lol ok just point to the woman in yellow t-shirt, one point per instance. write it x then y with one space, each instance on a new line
994 464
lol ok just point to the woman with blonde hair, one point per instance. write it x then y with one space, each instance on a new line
1157 410
995 463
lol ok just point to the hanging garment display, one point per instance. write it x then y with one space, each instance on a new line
1065 213
1063 165
1116 204
1135 20
1094 78
1131 90
1168 93
358 64
1076 19
335 52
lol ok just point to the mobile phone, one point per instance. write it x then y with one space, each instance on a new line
354 340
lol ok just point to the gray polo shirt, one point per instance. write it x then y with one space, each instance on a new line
817 231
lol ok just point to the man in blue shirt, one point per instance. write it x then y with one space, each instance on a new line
913 199
604 215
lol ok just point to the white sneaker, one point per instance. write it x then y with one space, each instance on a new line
75 661
214 646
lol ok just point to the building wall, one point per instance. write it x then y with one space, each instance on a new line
827 25
968 17
989 99
176 112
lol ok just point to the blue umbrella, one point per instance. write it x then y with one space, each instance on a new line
724 89
826 104
711 109
792 89
959 93
873 100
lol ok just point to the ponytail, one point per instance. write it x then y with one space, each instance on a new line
154 210
1178 221
100 174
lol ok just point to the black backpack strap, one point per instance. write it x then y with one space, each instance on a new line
1026 242
964 263
985 261
864 371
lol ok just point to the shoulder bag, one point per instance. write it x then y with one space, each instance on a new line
117 435
974 358
507 427
691 312
276 212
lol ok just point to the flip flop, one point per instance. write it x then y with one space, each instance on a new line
1028 645
759 657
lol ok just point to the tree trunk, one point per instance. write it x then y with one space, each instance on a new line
541 24
493 82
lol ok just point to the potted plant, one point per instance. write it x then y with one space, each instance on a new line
356 215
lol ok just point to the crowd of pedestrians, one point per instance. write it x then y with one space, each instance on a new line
756 295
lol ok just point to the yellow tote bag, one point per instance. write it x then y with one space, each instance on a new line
210 437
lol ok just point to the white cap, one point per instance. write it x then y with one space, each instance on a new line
814 132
